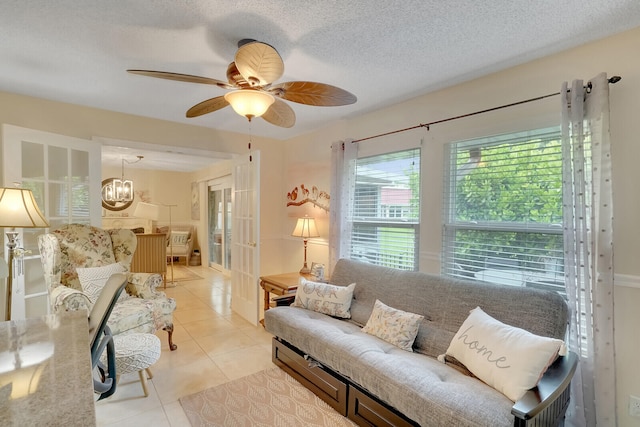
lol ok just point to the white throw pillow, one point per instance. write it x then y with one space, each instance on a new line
396 327
179 237
93 279
507 358
325 298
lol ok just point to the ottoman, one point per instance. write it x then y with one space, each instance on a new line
136 352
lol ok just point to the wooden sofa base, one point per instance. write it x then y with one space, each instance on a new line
352 401
339 392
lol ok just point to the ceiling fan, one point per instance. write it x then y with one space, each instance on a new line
250 76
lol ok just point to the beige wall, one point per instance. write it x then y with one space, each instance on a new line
616 55
305 160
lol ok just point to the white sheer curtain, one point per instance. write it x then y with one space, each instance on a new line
343 156
588 219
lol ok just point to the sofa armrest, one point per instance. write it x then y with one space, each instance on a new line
553 385
69 299
144 285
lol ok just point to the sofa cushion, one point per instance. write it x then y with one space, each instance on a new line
425 390
509 359
396 327
446 302
93 279
325 298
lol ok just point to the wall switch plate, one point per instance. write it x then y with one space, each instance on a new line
634 406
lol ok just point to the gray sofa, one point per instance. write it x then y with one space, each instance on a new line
375 383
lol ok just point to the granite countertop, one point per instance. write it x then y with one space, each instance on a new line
55 365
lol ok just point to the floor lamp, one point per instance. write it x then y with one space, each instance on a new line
18 208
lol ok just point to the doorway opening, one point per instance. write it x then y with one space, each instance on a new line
219 224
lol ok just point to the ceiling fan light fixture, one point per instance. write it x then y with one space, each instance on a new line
249 103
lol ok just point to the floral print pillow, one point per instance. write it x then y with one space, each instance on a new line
325 298
395 326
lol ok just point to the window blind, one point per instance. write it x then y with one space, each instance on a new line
386 211
502 210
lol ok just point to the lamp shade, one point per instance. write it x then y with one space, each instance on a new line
18 208
147 211
249 103
306 228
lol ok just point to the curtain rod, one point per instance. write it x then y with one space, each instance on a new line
612 80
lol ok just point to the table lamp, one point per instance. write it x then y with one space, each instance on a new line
18 208
305 228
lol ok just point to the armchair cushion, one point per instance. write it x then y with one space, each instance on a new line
93 279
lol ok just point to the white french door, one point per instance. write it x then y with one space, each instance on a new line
64 174
245 228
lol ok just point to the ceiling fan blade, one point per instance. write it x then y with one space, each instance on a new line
280 114
208 106
259 63
311 93
182 78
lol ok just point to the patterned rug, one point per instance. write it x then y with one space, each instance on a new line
267 398
181 274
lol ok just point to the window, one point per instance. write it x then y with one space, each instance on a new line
503 210
385 219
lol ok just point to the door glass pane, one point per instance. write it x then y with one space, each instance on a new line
37 188
80 202
227 228
32 160
58 166
33 273
79 166
58 202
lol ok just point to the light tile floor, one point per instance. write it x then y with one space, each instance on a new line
214 346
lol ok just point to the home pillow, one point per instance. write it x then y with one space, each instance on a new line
179 237
93 279
325 298
507 358
395 326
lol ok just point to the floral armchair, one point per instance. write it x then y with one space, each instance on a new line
73 246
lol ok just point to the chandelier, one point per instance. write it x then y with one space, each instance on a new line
120 190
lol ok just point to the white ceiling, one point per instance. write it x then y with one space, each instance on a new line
383 51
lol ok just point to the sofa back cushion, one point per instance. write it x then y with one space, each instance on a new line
445 303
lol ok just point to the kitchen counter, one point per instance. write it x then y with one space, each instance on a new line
45 371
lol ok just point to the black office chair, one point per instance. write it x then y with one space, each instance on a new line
100 335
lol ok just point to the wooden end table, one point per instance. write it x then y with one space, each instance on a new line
280 284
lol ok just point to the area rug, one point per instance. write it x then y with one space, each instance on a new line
181 274
267 398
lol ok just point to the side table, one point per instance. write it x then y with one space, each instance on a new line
280 284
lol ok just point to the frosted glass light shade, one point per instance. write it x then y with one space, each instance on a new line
249 103
18 208
306 228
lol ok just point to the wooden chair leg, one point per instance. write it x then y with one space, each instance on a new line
149 373
143 381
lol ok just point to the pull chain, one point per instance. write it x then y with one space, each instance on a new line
250 140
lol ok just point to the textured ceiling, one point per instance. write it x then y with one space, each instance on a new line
382 51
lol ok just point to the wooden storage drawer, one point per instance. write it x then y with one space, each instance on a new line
323 384
367 411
